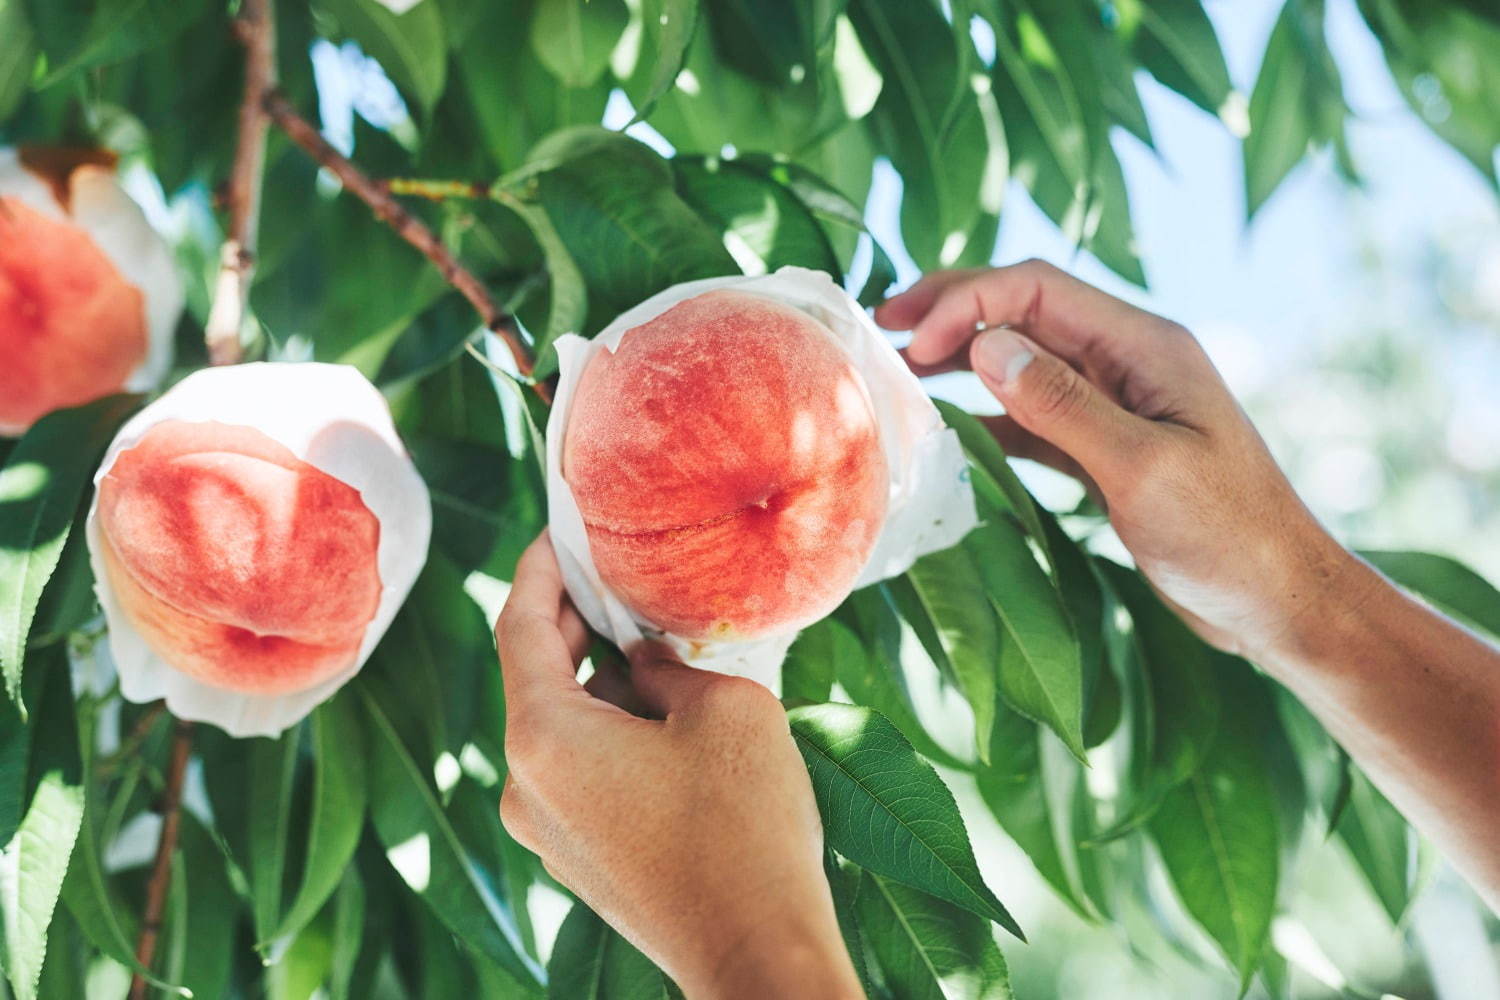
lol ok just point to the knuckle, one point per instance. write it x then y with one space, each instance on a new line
1057 393
1037 267
515 818
741 699
523 749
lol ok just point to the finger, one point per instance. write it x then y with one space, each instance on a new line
1057 310
535 659
957 363
664 683
1044 395
902 311
575 631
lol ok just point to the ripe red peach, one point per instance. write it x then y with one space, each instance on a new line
87 294
726 460
240 564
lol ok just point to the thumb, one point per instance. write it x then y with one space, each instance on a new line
1045 395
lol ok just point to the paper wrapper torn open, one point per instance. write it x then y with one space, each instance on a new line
930 506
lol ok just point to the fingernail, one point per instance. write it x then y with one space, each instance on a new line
1001 356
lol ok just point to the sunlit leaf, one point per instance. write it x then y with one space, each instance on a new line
1041 671
34 860
1379 840
885 809
1218 837
929 949
40 487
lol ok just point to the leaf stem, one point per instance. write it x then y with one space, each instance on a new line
434 190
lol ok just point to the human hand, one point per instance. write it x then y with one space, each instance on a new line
693 831
1130 404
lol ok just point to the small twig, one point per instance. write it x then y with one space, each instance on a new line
256 31
434 190
166 846
413 230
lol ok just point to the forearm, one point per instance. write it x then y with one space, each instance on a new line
1415 699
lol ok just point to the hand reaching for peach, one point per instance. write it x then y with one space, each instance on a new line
1130 403
693 830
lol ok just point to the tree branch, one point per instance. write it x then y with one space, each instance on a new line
413 230
256 30
161 868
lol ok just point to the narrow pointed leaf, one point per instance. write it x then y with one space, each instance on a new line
929 949
886 810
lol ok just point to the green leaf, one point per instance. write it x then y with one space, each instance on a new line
573 38
885 809
1041 670
17 55
211 920
592 962
1377 837
996 481
1444 59
411 47
1218 837
952 593
952 166
272 775
764 226
40 487
1179 669
34 861
1450 585
811 665
769 39
929 949
1297 102
339 798
670 25
1175 41
1023 799
426 852
843 885
868 665
612 203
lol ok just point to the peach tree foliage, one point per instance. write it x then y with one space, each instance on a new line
362 850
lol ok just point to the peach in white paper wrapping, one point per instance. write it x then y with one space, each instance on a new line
930 503
118 228
311 469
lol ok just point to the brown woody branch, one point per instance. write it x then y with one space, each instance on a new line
413 230
166 845
256 30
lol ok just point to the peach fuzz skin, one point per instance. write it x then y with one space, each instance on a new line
240 564
728 467
72 329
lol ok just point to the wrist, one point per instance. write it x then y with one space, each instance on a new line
1328 602
792 959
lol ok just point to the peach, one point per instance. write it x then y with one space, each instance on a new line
240 564
88 296
728 466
